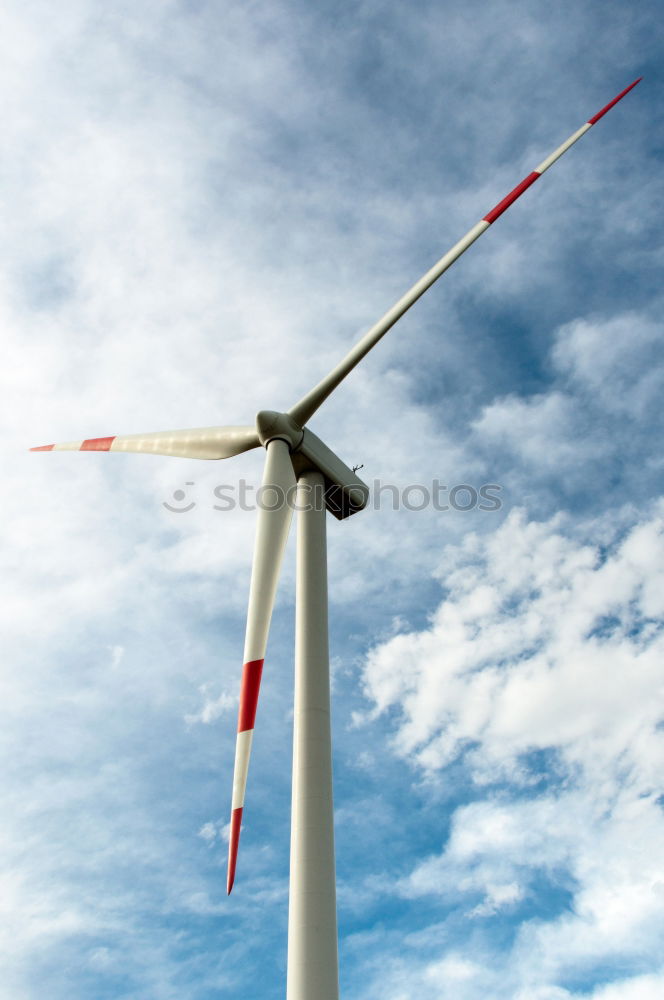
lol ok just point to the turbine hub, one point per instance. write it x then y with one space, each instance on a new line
271 425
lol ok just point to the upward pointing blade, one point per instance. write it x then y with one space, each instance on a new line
202 442
274 518
307 406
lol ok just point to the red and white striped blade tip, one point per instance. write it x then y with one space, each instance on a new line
607 107
198 442
251 682
91 444
534 175
236 824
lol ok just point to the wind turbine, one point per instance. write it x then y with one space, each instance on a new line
302 473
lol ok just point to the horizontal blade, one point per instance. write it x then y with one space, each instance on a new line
307 406
274 517
202 442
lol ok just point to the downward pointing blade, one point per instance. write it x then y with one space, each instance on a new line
274 518
202 442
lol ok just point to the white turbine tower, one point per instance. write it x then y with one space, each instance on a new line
302 473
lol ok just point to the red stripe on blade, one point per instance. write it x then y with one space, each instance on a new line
97 444
236 823
44 447
511 197
251 682
600 114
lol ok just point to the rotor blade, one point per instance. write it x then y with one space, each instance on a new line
274 518
202 442
307 406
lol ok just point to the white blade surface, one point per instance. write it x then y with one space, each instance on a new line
201 442
274 518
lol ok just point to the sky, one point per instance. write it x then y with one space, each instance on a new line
204 206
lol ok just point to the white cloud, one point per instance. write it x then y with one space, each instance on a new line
213 708
594 430
615 361
545 643
635 988
497 897
541 430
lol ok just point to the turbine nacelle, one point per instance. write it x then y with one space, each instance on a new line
344 493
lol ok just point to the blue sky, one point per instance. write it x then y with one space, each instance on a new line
204 205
